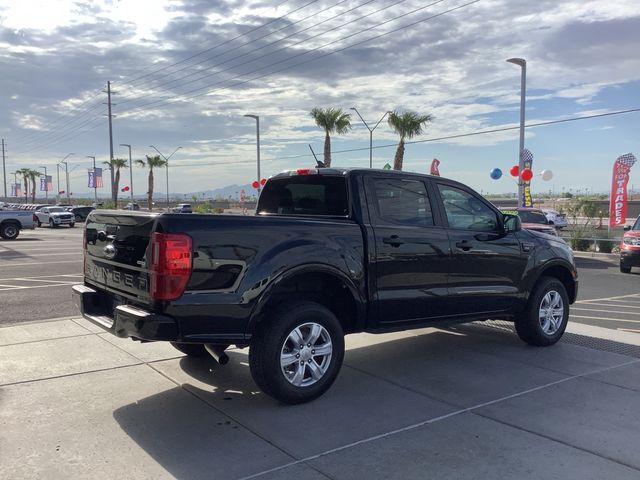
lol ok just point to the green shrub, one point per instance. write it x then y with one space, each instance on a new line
581 239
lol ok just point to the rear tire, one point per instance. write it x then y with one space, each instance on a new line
71 225
191 349
296 354
625 269
545 318
51 224
39 224
9 231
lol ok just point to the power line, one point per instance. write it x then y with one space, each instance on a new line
207 92
233 49
226 42
207 75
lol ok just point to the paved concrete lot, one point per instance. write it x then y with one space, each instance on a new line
469 402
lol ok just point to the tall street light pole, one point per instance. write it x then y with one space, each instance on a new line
257 119
95 186
522 63
167 166
130 170
66 170
46 184
370 132
58 172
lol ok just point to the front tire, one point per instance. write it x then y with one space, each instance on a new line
51 224
191 349
71 225
545 318
296 355
625 269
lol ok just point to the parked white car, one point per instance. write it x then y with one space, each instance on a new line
557 219
55 216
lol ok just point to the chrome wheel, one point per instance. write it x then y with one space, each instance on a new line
551 312
306 354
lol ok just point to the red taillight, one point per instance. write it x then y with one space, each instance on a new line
306 171
170 265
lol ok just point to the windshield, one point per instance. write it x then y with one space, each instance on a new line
636 226
532 217
305 195
56 209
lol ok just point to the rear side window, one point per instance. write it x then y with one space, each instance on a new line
305 195
403 202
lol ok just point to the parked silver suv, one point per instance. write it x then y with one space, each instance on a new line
55 216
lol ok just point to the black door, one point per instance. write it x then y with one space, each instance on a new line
411 251
487 267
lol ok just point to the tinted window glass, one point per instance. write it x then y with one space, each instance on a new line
305 195
402 201
636 226
465 211
532 217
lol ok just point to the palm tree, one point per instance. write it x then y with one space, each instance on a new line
151 162
331 120
117 163
407 125
24 173
33 174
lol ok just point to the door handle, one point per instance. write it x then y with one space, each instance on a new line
393 240
464 245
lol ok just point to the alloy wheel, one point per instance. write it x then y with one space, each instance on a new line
305 355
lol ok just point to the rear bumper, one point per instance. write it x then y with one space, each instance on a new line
125 320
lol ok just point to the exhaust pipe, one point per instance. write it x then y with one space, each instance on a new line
217 352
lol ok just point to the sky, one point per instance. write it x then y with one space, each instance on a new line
185 72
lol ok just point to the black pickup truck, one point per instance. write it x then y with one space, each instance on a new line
329 252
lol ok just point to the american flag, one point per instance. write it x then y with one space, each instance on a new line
98 177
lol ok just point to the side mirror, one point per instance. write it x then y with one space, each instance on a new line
627 227
512 223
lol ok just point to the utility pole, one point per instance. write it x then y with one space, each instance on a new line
113 192
4 171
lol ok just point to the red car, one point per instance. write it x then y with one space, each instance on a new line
630 247
533 219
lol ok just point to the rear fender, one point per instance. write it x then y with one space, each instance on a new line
259 310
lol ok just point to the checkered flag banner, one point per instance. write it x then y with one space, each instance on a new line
527 157
626 160
618 200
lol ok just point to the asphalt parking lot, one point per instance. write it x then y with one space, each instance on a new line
469 402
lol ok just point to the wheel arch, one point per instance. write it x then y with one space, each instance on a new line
318 283
563 273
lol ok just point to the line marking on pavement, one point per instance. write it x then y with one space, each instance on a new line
627 300
12 287
42 280
587 310
609 298
436 419
37 263
614 305
604 318
632 330
43 254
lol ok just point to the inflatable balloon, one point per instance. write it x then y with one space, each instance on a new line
255 184
263 181
496 173
546 175
515 171
526 174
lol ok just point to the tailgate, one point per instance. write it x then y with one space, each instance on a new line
116 253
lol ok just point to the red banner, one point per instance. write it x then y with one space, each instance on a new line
434 167
618 202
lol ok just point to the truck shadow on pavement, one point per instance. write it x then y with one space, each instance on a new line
217 424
